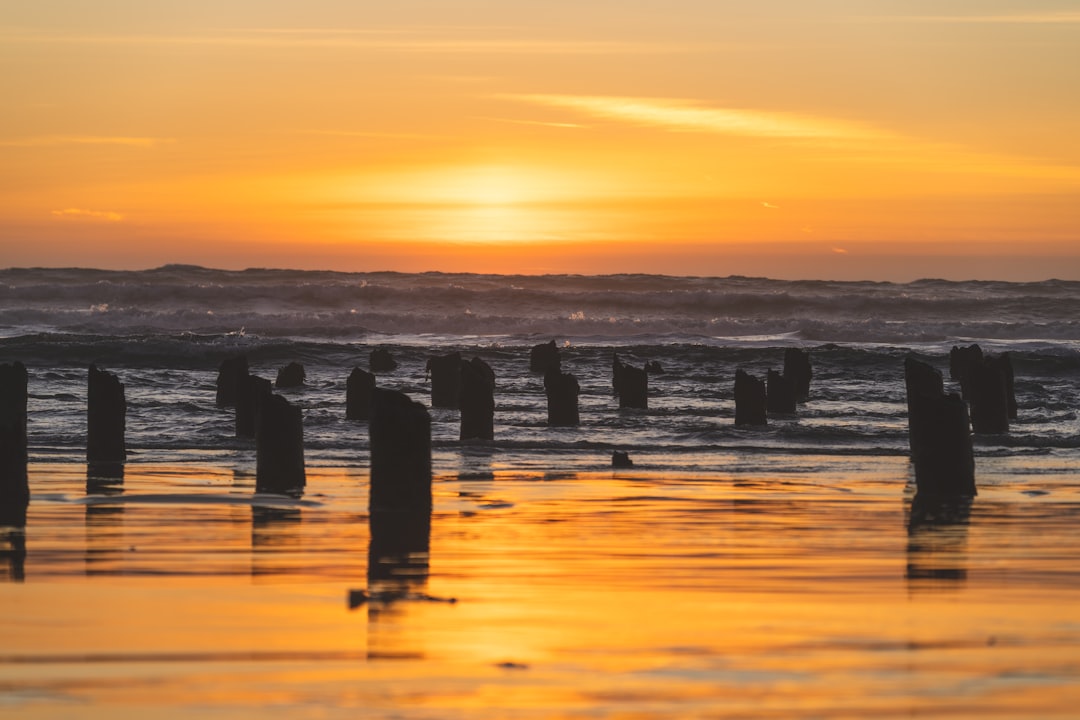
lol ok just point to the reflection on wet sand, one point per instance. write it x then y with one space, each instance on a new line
13 551
937 542
104 522
275 541
398 566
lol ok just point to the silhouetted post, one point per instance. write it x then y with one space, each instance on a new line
945 462
477 400
381 361
230 379
562 391
780 393
631 384
797 369
290 376
358 392
922 381
445 373
544 357
14 482
653 367
279 448
988 393
962 361
252 394
106 419
621 459
750 400
400 439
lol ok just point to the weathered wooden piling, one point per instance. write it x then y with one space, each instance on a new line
962 361
381 361
940 435
230 379
750 400
279 448
779 393
106 418
797 369
988 394
653 367
445 374
921 380
359 389
631 385
621 459
14 483
290 376
477 400
400 440
562 391
544 357
252 394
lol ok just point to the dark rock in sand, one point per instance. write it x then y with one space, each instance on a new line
14 482
621 459
279 448
106 418
290 376
445 374
562 391
381 361
750 400
631 385
780 393
359 390
400 439
230 379
253 393
544 357
477 400
798 370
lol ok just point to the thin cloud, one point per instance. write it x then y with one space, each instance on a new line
83 214
688 116
55 140
543 123
769 205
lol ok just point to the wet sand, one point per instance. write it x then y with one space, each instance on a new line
626 594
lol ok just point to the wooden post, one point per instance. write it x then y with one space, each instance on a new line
945 463
750 400
290 376
477 400
445 373
230 379
780 393
922 381
14 482
988 393
631 384
544 357
251 395
797 369
358 392
381 360
106 418
400 439
562 391
279 448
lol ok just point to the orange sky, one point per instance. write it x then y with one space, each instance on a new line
847 139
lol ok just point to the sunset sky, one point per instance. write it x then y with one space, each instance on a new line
850 139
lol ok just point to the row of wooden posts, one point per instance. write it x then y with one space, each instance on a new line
940 424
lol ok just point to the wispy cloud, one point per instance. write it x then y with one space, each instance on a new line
766 204
688 116
516 121
54 140
83 214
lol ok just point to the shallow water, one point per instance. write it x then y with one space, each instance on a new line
572 595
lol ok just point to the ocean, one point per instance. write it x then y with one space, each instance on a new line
733 571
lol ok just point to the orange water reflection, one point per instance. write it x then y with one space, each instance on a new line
613 595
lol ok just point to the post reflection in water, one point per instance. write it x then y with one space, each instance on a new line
104 521
937 542
275 541
13 551
398 565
